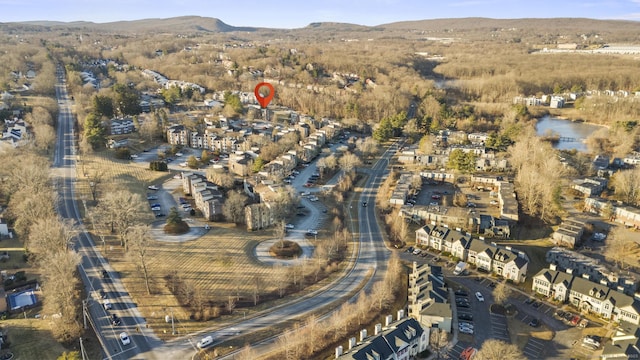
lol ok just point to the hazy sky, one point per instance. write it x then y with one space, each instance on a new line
299 13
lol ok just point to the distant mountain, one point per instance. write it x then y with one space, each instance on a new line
617 30
182 24
535 24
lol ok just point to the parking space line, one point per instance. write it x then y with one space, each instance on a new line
549 309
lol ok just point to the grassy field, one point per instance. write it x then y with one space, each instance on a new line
219 264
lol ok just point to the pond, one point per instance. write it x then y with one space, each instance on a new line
572 134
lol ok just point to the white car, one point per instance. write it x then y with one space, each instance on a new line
312 232
206 341
107 305
289 226
134 156
124 338
152 187
466 331
417 252
156 208
479 296
466 324
179 154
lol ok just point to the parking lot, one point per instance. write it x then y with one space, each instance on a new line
567 340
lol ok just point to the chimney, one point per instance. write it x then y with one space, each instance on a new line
338 351
400 314
378 329
388 320
553 267
352 342
363 334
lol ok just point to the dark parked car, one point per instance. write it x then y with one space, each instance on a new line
560 314
463 305
115 320
103 295
105 274
461 292
465 316
534 323
537 304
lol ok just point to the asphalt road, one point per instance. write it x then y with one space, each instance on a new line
92 263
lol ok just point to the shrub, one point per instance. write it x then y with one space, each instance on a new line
123 153
158 166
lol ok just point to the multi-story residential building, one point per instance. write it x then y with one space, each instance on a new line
400 340
240 163
428 297
122 126
624 344
587 296
582 265
590 186
178 135
502 261
626 215
569 233
208 199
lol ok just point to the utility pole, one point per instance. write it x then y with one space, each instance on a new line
84 315
173 327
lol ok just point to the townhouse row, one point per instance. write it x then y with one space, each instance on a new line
587 296
502 261
403 339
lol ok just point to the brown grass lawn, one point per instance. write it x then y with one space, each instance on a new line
220 263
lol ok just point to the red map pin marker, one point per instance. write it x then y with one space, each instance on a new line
264 100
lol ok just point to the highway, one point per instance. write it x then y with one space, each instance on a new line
92 263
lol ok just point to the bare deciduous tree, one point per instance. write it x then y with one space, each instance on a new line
139 240
501 292
627 186
348 162
233 208
122 209
496 349
622 246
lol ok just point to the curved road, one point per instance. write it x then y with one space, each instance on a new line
370 260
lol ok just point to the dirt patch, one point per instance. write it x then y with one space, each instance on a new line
520 332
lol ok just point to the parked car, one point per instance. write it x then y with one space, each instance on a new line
466 330
206 341
591 341
529 301
465 316
124 338
152 197
410 249
479 296
152 187
107 305
559 314
103 295
156 208
289 226
466 324
575 320
537 304
312 232
534 323
417 251
115 320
